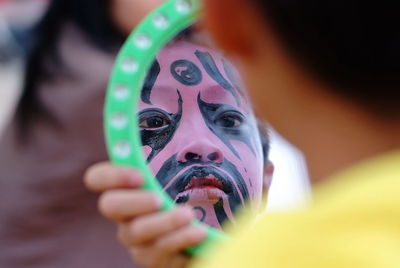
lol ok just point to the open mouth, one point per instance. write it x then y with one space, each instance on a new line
209 181
203 182
202 177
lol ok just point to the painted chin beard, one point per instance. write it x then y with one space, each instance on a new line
214 190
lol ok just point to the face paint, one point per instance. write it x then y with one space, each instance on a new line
158 127
201 213
176 177
149 82
211 68
199 144
186 72
227 123
219 211
180 180
233 76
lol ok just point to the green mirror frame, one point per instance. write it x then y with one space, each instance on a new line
130 69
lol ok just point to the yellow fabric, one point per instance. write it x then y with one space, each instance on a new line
354 221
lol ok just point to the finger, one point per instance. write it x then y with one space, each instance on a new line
177 241
149 227
106 176
164 251
145 258
122 205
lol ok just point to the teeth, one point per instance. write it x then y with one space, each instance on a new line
209 180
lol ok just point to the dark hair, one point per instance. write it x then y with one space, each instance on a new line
91 17
352 45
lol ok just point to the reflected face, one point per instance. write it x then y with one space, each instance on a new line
199 133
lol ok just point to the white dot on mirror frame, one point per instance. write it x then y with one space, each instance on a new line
122 149
119 120
129 65
121 92
183 6
142 41
161 21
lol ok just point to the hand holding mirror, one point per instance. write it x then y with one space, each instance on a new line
132 64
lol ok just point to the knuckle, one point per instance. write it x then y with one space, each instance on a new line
193 236
190 238
169 221
121 236
162 247
141 257
174 219
126 237
136 232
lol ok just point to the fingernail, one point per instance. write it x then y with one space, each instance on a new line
135 179
157 201
185 215
201 232
189 212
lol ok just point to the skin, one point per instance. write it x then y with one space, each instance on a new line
333 132
199 134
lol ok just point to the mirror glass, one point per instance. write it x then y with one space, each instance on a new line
199 133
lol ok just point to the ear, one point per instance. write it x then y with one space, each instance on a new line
235 25
267 179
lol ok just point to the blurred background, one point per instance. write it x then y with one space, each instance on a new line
16 20
290 185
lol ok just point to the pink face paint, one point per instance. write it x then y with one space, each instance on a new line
199 133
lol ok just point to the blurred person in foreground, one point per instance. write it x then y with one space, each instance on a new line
48 218
326 75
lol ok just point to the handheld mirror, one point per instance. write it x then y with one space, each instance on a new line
135 59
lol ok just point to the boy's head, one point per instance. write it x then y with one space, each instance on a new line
352 46
199 133
316 69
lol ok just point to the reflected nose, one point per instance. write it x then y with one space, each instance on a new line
203 151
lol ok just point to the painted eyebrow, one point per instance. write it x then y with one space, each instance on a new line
211 68
149 82
232 77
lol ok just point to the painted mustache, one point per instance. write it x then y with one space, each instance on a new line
224 173
201 176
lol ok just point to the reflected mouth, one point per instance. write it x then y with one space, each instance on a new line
199 183
203 177
209 181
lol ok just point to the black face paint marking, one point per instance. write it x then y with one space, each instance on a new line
202 211
220 211
149 82
186 72
232 76
243 133
157 139
182 199
211 68
172 167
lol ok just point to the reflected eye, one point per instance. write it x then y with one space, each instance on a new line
229 120
153 120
